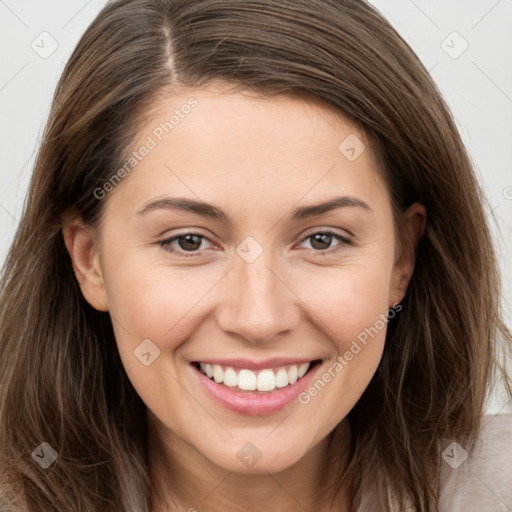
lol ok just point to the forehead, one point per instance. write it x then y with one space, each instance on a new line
214 143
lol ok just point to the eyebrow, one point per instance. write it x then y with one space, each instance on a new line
213 212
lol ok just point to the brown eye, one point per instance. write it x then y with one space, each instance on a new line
189 242
321 241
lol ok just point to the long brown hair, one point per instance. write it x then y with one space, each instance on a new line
61 378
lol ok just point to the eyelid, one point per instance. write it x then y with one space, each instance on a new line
313 231
343 240
167 242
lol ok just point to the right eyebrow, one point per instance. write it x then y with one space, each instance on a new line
188 205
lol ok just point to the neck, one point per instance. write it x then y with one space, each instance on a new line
188 481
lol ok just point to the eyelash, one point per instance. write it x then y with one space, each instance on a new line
343 242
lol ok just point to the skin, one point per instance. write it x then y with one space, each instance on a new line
257 159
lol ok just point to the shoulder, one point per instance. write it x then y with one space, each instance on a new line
482 481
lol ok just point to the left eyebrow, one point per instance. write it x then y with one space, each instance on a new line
214 212
317 209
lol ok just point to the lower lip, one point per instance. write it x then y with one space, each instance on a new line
253 403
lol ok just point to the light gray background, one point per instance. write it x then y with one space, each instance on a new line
477 83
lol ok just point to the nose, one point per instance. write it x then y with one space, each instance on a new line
258 303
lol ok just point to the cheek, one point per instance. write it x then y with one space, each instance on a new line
163 306
158 303
352 312
349 305
347 301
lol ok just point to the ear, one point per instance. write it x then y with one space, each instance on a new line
82 245
414 226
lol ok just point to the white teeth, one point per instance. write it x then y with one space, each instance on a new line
281 378
247 380
266 381
303 368
293 374
218 373
230 378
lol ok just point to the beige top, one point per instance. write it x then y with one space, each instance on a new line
482 482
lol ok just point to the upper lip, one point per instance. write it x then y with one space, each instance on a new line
248 364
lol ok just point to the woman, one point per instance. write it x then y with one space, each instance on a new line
253 272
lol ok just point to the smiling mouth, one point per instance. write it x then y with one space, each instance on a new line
263 381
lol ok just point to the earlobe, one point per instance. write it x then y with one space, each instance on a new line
82 247
414 226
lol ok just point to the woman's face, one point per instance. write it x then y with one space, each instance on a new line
216 255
